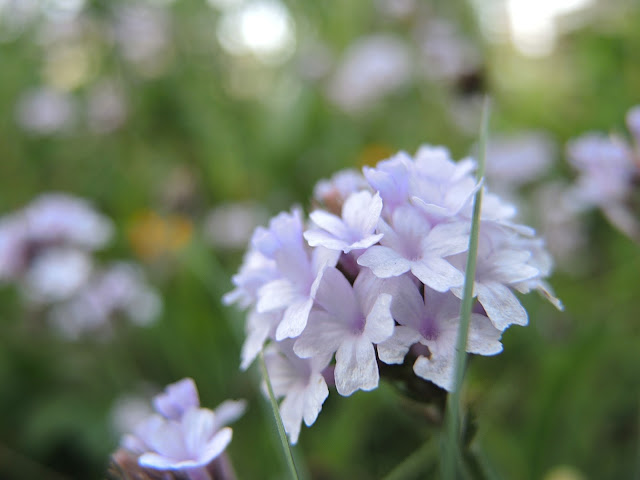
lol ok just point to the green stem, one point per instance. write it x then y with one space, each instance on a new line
276 413
452 448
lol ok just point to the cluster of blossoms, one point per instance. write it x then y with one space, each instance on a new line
377 275
47 249
180 440
609 172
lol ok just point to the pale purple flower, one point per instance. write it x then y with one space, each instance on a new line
56 274
300 381
446 53
608 166
440 187
259 328
349 322
256 271
45 111
433 321
412 243
382 270
354 231
633 123
45 246
176 399
371 68
293 291
501 263
59 217
188 445
518 159
143 34
120 288
182 436
391 179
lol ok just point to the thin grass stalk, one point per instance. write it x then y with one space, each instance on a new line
452 457
286 447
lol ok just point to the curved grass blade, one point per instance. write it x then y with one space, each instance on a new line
452 457
276 413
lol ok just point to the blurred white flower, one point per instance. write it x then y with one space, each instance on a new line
446 53
370 69
51 221
45 111
118 289
143 34
609 168
517 159
56 274
396 9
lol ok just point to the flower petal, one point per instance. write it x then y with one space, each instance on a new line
395 348
356 366
379 324
384 262
295 319
501 305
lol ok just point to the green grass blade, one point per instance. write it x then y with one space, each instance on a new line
276 413
452 446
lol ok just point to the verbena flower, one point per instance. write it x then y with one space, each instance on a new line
608 171
182 436
118 289
376 274
51 221
299 381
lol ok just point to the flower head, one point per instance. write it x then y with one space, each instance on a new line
381 276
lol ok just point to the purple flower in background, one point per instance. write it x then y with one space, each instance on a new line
608 168
118 289
46 246
371 68
182 436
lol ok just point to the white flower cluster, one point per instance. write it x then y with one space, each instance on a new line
181 436
609 170
46 248
381 274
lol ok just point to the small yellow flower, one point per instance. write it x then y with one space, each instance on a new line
152 235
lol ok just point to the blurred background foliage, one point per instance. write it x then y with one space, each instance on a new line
160 111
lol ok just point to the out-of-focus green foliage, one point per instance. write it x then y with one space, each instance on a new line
204 127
